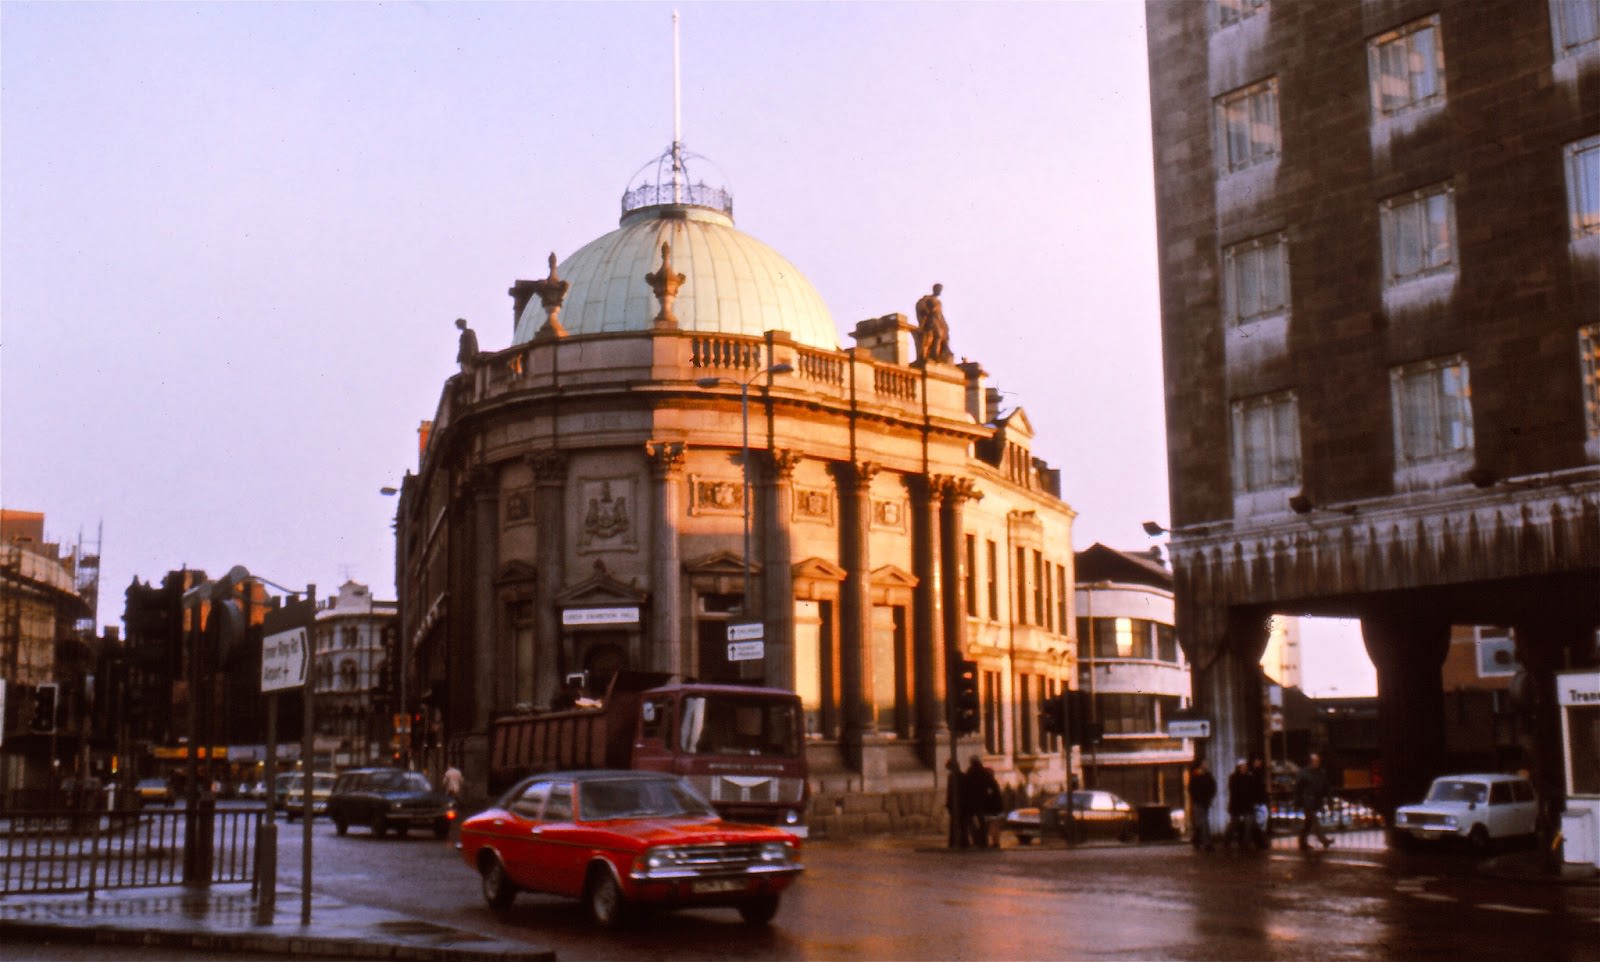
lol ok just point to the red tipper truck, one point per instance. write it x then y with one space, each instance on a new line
742 747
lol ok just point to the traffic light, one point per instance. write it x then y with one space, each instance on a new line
44 708
964 697
1053 715
1081 728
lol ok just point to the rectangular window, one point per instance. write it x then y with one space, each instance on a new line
1049 597
1583 186
1105 637
1266 442
1432 409
1027 724
971 579
1038 589
1230 12
991 712
1589 370
994 581
1419 234
1061 598
1021 575
1247 125
1256 278
1407 68
1575 25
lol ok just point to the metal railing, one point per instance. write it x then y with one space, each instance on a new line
63 850
1351 814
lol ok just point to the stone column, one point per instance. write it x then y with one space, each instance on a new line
957 492
665 645
855 603
486 653
1224 648
1408 651
550 496
777 564
927 616
1546 645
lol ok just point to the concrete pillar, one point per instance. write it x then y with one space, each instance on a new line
777 567
1546 645
927 633
550 497
855 603
1224 648
665 646
487 658
1408 651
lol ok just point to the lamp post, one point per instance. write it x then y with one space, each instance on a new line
783 367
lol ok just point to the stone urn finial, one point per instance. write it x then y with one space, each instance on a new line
552 291
665 284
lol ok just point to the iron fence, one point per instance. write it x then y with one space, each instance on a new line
1351 814
61 851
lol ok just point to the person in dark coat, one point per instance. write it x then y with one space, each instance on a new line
1202 790
954 803
1259 801
1311 793
980 800
1241 807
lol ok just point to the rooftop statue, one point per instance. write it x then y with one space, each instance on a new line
933 336
552 291
665 283
468 350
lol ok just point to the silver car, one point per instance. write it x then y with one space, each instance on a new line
1475 809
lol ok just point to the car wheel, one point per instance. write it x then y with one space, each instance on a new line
603 896
341 826
1024 839
498 889
380 826
441 828
1478 839
759 910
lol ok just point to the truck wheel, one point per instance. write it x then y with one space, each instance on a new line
759 910
498 889
341 826
603 896
380 826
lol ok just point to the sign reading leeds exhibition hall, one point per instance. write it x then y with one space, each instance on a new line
746 641
283 660
601 616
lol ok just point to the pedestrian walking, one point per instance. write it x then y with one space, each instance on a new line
1259 798
1241 808
980 801
1311 792
1202 790
451 783
954 797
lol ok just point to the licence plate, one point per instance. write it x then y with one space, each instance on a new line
717 885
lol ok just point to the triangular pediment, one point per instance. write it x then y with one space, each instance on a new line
514 571
818 569
890 576
1016 425
718 563
600 589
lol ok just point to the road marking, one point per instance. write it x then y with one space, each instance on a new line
1519 909
1434 897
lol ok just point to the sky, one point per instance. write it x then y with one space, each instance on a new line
234 238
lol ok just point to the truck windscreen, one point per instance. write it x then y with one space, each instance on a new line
729 725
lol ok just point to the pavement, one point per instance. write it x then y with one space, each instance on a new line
225 918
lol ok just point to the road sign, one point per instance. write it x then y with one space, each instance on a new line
1189 728
284 657
746 631
747 650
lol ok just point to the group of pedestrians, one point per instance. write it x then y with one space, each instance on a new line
1247 804
974 801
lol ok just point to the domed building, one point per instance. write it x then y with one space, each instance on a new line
582 504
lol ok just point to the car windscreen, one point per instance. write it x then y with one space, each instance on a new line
1454 790
603 800
739 725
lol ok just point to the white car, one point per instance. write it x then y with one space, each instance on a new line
1476 809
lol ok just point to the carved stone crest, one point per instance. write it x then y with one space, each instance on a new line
715 496
813 504
607 515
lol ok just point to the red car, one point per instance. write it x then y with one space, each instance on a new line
625 839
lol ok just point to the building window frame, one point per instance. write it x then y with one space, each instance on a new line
1406 69
1589 372
1574 27
1231 13
1266 442
1582 163
970 575
1248 132
1256 279
1432 405
994 579
1419 234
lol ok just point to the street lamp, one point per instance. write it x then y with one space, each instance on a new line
782 367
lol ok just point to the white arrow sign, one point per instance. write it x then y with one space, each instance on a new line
283 660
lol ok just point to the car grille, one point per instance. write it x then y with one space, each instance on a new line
750 788
1424 819
712 858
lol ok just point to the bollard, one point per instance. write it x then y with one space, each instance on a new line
266 869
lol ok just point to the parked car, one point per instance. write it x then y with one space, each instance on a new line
153 791
385 798
1475 809
280 788
620 840
1094 813
294 801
